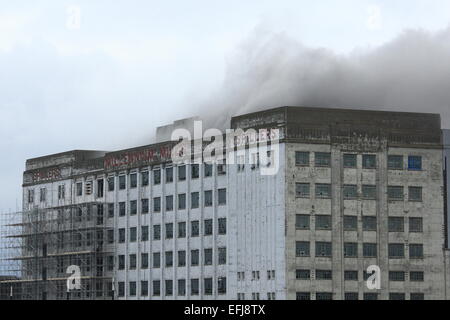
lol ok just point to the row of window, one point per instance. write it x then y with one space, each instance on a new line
369 161
169 286
169 231
169 259
256 296
350 223
353 275
324 249
350 192
169 203
255 275
355 296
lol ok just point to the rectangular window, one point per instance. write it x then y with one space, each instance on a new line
222 285
169 230
415 193
396 276
369 161
133 207
156 176
350 223
157 204
132 261
144 178
133 180
208 283
369 250
195 229
61 192
351 296
222 197
122 182
369 192
110 210
111 236
122 209
121 291
169 258
222 256
415 225
395 193
169 203
302 190
416 276
323 190
414 163
324 275
207 257
121 235
351 275
42 194
396 224
181 258
302 221
194 257
133 234
30 196
195 199
370 296
156 260
181 229
323 249
121 261
194 287
396 250
302 249
144 206
369 223
110 182
323 222
144 260
182 173
181 287
416 251
195 171
79 188
322 159
169 174
208 170
156 287
144 288
208 227
302 274
324 296
144 233
396 296
301 158
350 192
303 296
417 296
157 232
395 162
208 198
349 160
182 201
222 226
350 249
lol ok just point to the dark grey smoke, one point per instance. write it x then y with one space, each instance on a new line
409 73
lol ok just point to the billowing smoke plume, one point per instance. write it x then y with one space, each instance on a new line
410 73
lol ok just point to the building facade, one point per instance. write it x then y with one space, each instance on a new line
352 189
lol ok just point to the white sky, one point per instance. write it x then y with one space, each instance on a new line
129 66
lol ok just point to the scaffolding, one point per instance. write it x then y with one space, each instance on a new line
39 245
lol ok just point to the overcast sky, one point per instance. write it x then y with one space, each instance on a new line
101 75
